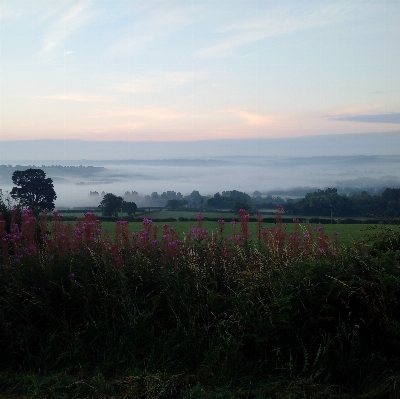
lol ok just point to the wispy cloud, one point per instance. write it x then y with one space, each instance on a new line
31 13
154 113
279 21
251 118
155 23
154 82
79 97
348 111
73 17
393 117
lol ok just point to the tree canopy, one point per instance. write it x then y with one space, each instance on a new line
129 207
33 190
176 204
323 202
111 204
234 200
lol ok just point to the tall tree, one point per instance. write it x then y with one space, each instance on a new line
129 207
34 190
111 204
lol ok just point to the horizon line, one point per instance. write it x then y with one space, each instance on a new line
212 140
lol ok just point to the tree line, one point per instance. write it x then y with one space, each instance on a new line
34 191
329 203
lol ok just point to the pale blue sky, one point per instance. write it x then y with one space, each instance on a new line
190 70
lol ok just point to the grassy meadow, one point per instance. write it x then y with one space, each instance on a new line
349 234
96 309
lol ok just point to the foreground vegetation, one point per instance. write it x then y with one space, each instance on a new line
349 234
274 314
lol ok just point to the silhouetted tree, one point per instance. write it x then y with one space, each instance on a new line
111 204
194 199
33 190
175 204
322 203
233 200
129 208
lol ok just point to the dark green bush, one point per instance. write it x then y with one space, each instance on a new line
224 318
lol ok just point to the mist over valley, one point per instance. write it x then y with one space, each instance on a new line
287 177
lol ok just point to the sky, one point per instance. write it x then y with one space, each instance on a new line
182 70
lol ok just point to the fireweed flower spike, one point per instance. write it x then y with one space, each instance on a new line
233 224
244 222
33 238
199 218
221 225
279 211
259 225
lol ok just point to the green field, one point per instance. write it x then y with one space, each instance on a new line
165 214
348 233
227 215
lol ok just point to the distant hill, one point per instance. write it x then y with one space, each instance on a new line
306 146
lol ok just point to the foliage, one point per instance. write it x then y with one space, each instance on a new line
111 204
323 203
327 202
194 200
129 207
35 191
383 239
233 200
202 315
155 199
10 212
175 204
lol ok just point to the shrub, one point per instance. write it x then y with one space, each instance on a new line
218 311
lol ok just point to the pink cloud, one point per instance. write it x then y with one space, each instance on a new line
79 97
145 113
251 118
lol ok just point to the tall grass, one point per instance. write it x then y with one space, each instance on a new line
196 315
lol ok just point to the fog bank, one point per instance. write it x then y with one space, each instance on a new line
268 175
